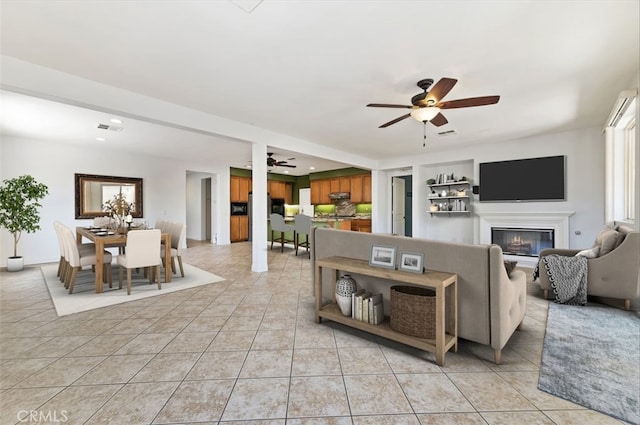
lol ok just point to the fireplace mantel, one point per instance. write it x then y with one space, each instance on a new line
556 220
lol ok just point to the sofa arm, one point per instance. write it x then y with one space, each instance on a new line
558 251
508 296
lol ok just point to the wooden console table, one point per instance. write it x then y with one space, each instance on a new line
441 282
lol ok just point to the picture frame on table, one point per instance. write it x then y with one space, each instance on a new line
411 262
383 256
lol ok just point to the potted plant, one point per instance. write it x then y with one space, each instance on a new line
19 211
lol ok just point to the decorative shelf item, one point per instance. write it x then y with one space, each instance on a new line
450 197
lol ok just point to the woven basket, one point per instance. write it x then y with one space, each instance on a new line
413 311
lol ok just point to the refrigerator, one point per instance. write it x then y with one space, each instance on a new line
304 201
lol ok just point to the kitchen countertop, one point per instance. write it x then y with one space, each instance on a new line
325 218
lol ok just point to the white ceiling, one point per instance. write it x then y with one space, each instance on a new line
306 69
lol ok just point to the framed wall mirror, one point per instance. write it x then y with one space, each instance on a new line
92 191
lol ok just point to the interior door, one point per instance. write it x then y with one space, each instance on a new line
397 206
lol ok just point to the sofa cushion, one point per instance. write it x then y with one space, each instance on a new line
608 239
590 253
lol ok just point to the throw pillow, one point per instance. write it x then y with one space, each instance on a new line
590 253
509 266
608 240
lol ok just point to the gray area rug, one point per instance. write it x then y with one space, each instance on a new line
591 356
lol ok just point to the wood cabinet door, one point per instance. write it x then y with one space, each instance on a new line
316 191
243 223
356 189
345 184
334 185
244 188
325 191
234 233
234 192
239 228
276 189
366 188
288 193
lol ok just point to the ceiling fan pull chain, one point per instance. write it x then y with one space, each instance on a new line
424 142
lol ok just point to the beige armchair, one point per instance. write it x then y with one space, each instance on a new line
614 272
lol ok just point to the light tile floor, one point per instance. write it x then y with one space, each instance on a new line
247 351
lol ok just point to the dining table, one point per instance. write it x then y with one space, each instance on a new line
104 239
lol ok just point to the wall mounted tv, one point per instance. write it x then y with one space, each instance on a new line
531 179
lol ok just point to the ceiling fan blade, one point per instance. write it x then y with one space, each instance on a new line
395 121
471 101
386 105
286 165
441 88
439 120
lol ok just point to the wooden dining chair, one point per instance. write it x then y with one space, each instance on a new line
141 252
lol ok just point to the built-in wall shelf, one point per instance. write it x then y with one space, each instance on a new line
451 198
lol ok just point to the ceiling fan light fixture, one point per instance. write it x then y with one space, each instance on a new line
425 114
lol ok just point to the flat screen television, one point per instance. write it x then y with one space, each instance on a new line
531 179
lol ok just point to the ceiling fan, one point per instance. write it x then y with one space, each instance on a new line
426 106
271 161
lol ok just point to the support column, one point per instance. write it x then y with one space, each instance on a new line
259 208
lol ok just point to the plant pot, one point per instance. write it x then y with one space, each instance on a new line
15 264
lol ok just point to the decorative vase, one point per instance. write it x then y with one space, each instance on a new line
345 286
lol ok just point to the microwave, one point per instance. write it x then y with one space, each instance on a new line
239 208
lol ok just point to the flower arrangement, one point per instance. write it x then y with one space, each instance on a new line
118 206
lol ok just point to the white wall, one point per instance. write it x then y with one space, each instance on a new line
54 164
584 149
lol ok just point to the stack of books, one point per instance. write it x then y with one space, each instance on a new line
367 307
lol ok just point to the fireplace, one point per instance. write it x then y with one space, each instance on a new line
558 221
522 241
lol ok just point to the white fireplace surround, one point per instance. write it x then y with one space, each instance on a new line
556 220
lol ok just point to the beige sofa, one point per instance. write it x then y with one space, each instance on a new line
491 304
613 272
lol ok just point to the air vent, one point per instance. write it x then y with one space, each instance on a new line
109 127
447 133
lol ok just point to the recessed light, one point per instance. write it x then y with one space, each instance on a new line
101 139
247 166
116 120
286 171
312 168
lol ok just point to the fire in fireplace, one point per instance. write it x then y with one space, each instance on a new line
522 241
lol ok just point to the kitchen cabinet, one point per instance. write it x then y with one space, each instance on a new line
366 189
240 188
355 183
239 228
288 193
361 225
358 186
345 184
280 190
360 189
276 189
320 190
334 185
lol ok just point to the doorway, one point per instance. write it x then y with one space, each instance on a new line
401 205
206 208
